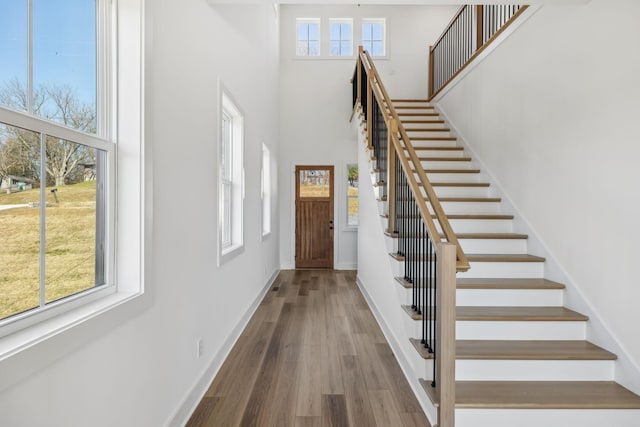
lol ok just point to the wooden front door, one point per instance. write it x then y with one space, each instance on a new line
314 216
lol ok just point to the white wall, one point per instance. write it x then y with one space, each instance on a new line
553 113
139 368
315 102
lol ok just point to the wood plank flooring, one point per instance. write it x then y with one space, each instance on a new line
312 355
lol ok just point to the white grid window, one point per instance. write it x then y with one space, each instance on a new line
57 158
307 37
341 37
373 36
266 190
231 167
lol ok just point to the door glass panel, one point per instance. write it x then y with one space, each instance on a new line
315 183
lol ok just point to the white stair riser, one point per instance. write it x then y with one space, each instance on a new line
547 417
428 133
534 370
494 246
543 330
412 126
510 297
419 109
445 164
464 208
499 297
480 225
460 191
452 208
511 330
439 153
434 143
451 177
505 269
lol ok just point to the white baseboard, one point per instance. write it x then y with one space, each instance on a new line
202 384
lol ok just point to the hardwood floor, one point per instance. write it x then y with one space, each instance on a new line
312 355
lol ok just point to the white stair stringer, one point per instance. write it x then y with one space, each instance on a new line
458 179
384 300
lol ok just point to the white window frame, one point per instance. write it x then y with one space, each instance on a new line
233 212
380 21
266 191
339 21
308 21
119 36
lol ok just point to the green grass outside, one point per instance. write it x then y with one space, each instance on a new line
70 246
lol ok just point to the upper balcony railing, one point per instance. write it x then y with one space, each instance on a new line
471 30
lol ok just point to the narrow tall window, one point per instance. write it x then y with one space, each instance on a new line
54 153
231 197
341 37
352 195
373 36
266 191
308 37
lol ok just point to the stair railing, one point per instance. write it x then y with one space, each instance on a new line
470 31
430 263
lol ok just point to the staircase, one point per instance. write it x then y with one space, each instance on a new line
521 357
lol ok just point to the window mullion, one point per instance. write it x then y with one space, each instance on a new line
30 56
43 219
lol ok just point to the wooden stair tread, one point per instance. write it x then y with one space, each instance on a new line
432 138
440 148
491 236
504 258
478 216
414 122
409 100
510 314
459 184
522 350
451 171
498 283
531 350
506 283
469 199
427 130
544 395
401 113
445 159
414 107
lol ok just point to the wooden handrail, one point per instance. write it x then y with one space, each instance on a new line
384 100
439 339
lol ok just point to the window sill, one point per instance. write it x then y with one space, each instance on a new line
323 58
227 254
45 330
350 228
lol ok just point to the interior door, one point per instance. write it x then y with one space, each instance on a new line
314 217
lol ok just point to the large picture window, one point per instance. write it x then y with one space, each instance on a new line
56 155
